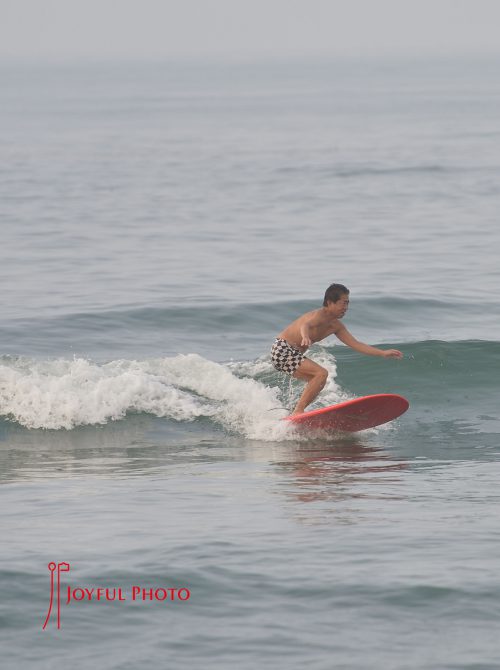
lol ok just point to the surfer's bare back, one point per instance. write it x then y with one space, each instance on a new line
287 353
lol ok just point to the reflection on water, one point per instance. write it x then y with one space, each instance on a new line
334 472
343 479
147 445
334 480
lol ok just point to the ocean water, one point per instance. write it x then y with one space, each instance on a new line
160 225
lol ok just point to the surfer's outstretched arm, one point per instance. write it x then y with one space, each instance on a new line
347 338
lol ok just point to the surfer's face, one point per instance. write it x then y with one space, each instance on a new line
339 308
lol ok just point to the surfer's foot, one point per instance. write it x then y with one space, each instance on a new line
298 410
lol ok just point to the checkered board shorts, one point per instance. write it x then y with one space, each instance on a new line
284 357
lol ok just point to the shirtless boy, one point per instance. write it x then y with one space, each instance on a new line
287 353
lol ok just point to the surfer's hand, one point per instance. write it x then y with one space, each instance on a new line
392 353
306 342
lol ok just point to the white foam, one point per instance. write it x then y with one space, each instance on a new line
61 393
242 405
67 393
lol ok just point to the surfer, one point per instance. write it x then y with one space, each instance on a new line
287 353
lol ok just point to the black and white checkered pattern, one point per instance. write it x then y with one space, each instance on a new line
284 357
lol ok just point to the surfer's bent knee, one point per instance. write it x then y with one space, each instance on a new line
321 375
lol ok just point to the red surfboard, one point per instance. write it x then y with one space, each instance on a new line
354 415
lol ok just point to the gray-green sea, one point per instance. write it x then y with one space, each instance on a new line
160 225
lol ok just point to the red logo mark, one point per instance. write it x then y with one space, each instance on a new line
60 567
102 594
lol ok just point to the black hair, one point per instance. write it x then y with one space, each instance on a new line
334 292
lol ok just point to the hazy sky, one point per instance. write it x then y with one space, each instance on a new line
244 29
